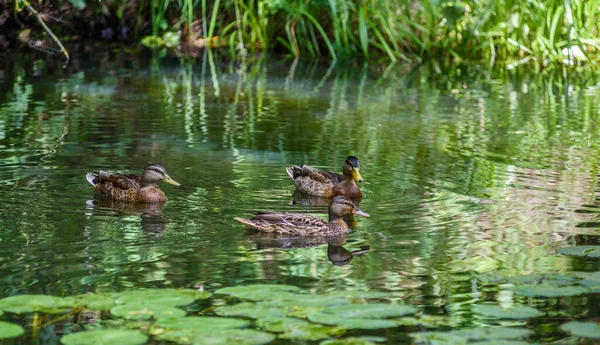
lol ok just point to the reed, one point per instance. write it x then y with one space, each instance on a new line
398 30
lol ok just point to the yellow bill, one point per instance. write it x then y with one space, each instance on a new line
169 180
356 175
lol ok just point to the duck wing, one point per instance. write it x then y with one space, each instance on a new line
286 223
120 181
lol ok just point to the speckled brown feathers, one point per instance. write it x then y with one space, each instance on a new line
327 184
131 188
304 224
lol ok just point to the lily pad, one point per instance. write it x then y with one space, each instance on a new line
585 251
293 328
305 300
32 303
197 323
332 319
464 335
279 325
92 301
355 294
370 311
10 330
105 336
258 292
582 329
353 341
218 337
143 311
251 310
549 290
172 297
429 321
548 279
513 313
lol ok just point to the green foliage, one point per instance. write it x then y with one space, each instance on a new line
514 313
10 330
586 251
582 329
105 337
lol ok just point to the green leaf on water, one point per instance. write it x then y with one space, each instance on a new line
370 311
258 292
145 311
464 335
585 251
92 301
513 313
10 330
293 328
32 303
549 279
172 297
355 294
251 310
218 337
202 323
549 290
105 337
429 321
280 324
331 319
366 340
582 329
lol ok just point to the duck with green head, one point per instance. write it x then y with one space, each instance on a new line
327 184
132 188
285 223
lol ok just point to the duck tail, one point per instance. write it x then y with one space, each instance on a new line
92 178
294 171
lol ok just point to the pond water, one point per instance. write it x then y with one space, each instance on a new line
471 178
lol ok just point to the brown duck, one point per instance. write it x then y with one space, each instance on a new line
304 224
132 188
327 184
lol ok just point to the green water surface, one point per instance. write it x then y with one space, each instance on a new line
470 177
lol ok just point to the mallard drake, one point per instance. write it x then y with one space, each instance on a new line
304 224
327 184
132 188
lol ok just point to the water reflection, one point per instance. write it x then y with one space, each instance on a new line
153 222
336 253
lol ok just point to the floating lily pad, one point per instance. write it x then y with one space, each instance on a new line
34 303
92 301
362 294
251 310
582 329
585 251
143 311
10 330
105 336
218 337
257 292
332 319
305 300
464 335
548 290
513 313
370 311
293 328
429 321
202 323
548 279
353 341
172 297
502 342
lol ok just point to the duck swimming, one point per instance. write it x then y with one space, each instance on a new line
132 188
327 184
303 224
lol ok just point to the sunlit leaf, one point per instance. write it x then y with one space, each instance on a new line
105 337
153 42
218 337
10 330
583 329
30 303
514 313
145 311
92 301
202 323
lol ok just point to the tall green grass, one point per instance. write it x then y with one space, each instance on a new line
397 30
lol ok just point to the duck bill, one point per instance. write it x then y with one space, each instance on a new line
356 175
359 212
169 180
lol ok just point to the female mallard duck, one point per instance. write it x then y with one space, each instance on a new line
327 184
132 188
304 224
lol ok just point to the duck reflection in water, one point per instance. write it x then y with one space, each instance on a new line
336 253
152 221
